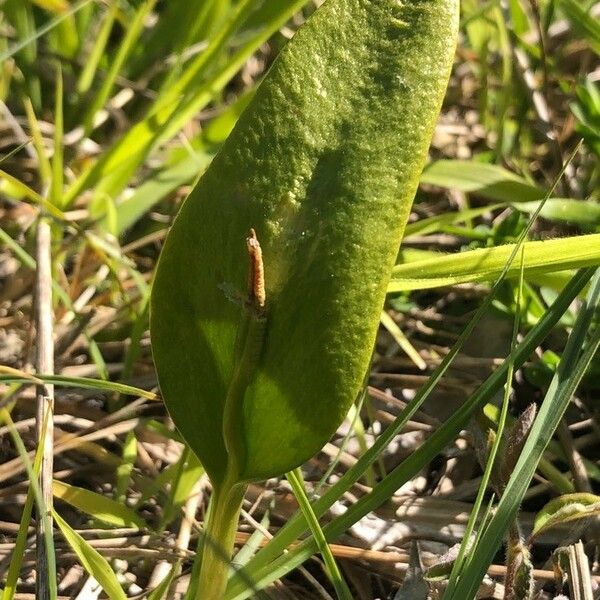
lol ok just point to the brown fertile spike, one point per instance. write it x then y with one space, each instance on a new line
256 278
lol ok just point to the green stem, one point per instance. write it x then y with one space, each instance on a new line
219 538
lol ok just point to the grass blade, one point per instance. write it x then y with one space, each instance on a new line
571 369
18 552
269 565
97 506
41 31
91 560
485 264
333 572
488 181
80 382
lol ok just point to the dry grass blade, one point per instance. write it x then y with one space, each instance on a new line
45 397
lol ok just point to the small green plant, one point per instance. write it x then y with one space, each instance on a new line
270 285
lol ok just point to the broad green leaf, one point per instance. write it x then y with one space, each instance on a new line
569 507
91 560
562 209
486 264
488 181
97 506
323 164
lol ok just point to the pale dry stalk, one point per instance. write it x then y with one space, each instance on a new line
45 394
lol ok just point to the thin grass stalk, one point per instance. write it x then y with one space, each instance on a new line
56 187
12 50
45 398
571 369
91 64
133 32
331 567
39 500
18 553
462 555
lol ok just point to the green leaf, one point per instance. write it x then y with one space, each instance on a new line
579 212
583 22
569 507
92 561
323 164
15 376
98 506
485 264
488 181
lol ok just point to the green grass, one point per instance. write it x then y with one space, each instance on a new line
110 113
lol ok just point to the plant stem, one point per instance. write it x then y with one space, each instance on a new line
219 538
45 405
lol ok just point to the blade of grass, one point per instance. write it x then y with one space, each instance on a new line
51 585
31 195
572 367
44 167
474 515
56 188
97 506
261 572
18 551
160 591
485 264
438 222
124 470
79 382
583 22
14 151
488 181
133 32
331 568
113 170
91 560
93 59
41 31
173 90
402 340
20 16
